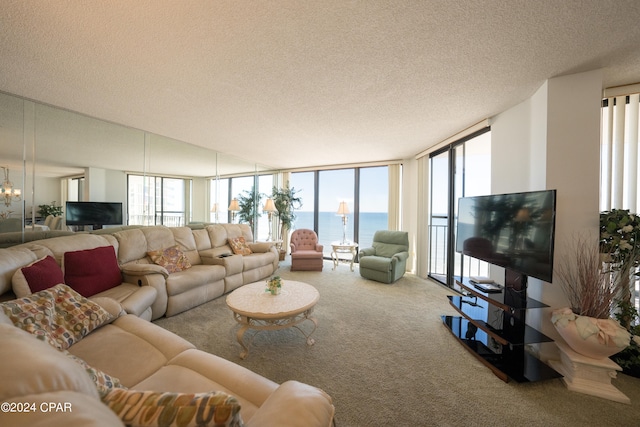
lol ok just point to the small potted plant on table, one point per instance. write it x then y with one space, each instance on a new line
274 285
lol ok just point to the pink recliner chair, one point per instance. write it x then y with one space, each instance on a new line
306 253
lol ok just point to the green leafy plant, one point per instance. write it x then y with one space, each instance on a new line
249 201
52 209
620 235
286 203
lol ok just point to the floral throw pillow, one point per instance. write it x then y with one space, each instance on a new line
239 246
173 259
153 408
58 315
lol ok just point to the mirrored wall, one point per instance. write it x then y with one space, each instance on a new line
50 155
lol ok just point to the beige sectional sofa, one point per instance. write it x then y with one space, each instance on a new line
214 271
41 386
144 357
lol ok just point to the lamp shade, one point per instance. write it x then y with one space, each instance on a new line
343 209
215 208
269 206
234 207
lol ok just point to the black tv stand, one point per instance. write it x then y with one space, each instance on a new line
492 327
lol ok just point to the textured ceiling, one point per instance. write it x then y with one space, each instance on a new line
307 83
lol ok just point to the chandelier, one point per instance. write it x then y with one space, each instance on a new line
7 191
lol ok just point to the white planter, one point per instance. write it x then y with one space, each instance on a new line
594 338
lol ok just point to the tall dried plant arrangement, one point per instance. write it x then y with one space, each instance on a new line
591 285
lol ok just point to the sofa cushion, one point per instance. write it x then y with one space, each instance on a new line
172 258
388 249
153 408
92 271
239 246
132 298
58 315
104 382
31 367
37 276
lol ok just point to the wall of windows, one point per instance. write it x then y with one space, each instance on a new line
364 189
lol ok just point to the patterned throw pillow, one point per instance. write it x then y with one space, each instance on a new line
152 408
58 315
239 246
37 276
173 259
104 382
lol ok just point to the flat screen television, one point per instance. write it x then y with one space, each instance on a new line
514 231
93 213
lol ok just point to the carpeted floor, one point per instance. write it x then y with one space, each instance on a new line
384 356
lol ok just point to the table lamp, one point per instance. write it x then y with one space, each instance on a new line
343 211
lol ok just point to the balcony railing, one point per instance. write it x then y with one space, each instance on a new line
464 266
170 219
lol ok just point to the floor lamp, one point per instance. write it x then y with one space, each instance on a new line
343 211
269 208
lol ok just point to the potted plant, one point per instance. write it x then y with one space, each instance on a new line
286 203
274 285
249 201
52 209
593 291
620 237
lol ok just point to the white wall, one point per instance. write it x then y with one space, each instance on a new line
551 141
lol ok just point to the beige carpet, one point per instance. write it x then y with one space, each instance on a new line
384 356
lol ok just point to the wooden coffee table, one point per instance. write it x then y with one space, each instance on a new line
253 308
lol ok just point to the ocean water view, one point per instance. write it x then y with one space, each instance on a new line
330 227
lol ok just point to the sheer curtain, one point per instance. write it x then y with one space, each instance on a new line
619 151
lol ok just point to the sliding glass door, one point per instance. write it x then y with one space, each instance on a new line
460 169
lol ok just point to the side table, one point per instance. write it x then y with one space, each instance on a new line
343 248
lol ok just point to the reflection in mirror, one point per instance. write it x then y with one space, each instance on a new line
55 155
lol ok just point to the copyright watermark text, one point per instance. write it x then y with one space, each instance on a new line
24 407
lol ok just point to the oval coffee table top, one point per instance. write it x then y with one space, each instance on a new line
253 301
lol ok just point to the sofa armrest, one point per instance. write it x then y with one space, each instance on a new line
294 404
367 252
153 279
401 256
319 247
111 305
142 270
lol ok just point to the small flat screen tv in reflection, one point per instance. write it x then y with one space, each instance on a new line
96 214
514 231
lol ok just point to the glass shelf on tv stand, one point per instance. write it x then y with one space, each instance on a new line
496 333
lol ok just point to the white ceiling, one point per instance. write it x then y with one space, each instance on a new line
306 83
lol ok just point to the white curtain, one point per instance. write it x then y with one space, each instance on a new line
394 205
422 235
619 153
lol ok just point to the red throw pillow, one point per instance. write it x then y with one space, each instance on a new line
43 274
92 271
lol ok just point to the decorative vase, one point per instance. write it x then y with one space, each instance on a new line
274 285
591 337
275 291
